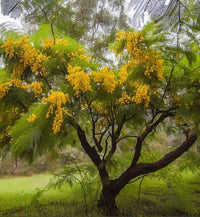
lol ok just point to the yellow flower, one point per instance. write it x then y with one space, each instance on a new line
57 100
139 54
4 88
141 95
32 118
48 43
9 47
37 88
106 78
123 74
125 99
78 79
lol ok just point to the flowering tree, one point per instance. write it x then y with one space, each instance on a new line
54 90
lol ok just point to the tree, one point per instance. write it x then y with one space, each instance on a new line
53 83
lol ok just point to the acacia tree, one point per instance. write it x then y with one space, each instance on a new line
54 90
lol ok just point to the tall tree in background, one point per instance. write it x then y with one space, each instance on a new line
93 23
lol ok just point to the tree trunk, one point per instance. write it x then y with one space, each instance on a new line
107 201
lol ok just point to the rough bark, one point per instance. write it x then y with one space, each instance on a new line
107 200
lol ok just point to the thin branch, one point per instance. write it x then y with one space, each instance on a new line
106 147
138 178
139 192
13 8
141 138
167 10
94 130
102 134
96 23
147 5
51 23
92 153
185 7
170 77
53 34
114 138
48 84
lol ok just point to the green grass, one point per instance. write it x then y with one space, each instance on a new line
16 198
16 192
3 75
158 197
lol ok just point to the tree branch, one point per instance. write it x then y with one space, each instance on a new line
92 153
51 23
170 77
145 168
114 137
147 131
97 144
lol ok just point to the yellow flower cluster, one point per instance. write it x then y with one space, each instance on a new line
123 74
37 88
133 42
84 57
9 48
141 95
125 99
18 70
28 55
154 65
78 79
120 36
57 100
48 43
32 118
139 54
106 78
62 41
4 88
80 54
39 64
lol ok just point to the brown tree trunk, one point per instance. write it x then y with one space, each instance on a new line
111 190
107 201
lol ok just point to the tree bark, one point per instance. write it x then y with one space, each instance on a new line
144 168
107 200
111 188
110 191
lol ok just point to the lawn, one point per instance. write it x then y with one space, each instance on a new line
154 196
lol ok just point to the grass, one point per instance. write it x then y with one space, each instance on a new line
3 75
16 192
156 197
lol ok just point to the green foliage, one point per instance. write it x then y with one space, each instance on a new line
3 75
30 138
